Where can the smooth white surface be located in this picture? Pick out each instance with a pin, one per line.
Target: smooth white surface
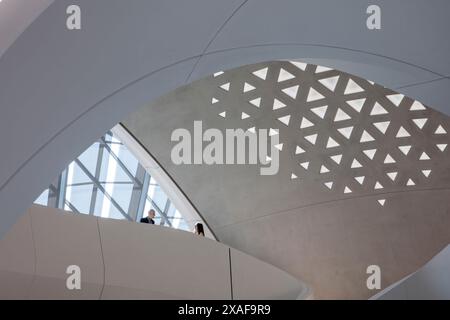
(160, 263)
(17, 262)
(127, 260)
(60, 240)
(253, 280)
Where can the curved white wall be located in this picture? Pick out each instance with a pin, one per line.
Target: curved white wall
(60, 90)
(126, 260)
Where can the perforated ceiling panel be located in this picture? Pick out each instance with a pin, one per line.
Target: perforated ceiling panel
(347, 134)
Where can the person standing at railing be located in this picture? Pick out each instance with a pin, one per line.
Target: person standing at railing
(198, 229)
(149, 218)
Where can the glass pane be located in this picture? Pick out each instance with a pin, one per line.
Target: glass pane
(76, 175)
(117, 176)
(115, 172)
(89, 158)
(172, 211)
(183, 226)
(157, 195)
(80, 197)
(114, 212)
(99, 203)
(130, 162)
(42, 199)
(121, 193)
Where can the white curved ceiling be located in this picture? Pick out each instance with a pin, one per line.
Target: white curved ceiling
(60, 90)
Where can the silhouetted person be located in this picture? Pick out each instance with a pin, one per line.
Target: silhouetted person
(149, 218)
(198, 229)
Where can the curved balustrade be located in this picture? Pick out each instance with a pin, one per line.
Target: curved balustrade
(126, 260)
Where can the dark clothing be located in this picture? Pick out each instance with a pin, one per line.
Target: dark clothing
(147, 220)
